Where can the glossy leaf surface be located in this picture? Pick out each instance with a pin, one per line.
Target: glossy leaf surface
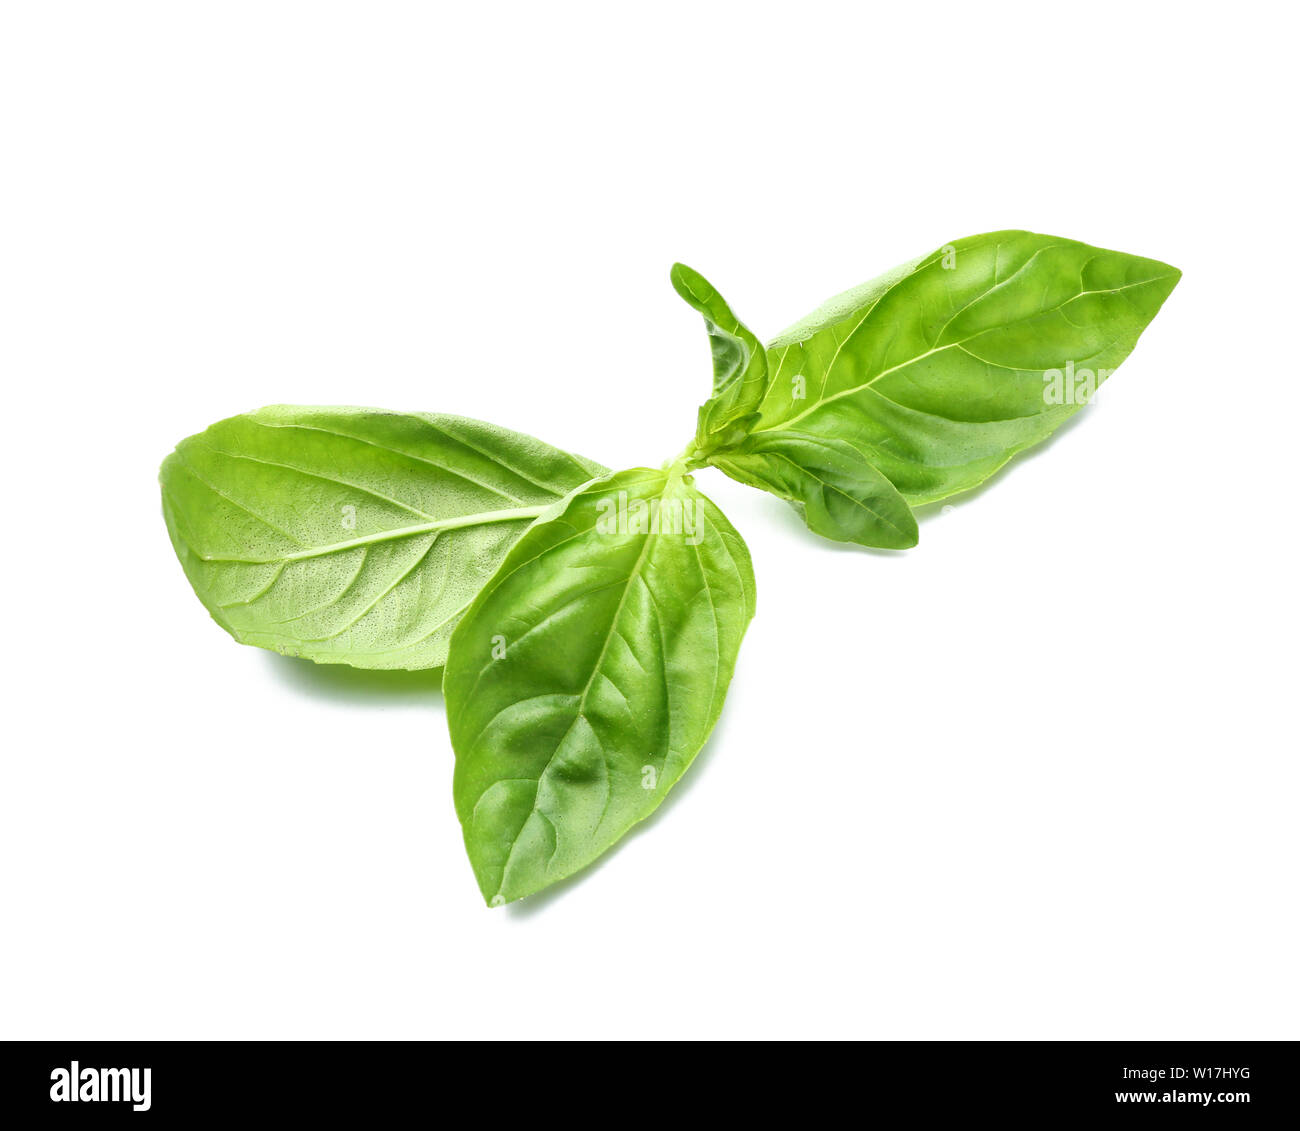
(943, 369)
(587, 675)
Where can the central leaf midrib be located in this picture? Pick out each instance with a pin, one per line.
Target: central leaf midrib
(825, 400)
(580, 709)
(482, 518)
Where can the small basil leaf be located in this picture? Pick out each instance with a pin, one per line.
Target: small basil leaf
(943, 369)
(830, 482)
(588, 673)
(354, 536)
(739, 364)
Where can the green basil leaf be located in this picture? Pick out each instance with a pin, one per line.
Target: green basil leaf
(943, 369)
(588, 673)
(830, 482)
(739, 364)
(354, 536)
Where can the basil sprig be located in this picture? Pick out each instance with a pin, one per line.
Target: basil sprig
(588, 622)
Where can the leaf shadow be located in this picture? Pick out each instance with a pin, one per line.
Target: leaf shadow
(339, 683)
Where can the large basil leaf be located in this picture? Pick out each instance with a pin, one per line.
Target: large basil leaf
(830, 482)
(942, 370)
(354, 536)
(739, 363)
(588, 673)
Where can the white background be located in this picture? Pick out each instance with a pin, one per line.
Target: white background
(1035, 778)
